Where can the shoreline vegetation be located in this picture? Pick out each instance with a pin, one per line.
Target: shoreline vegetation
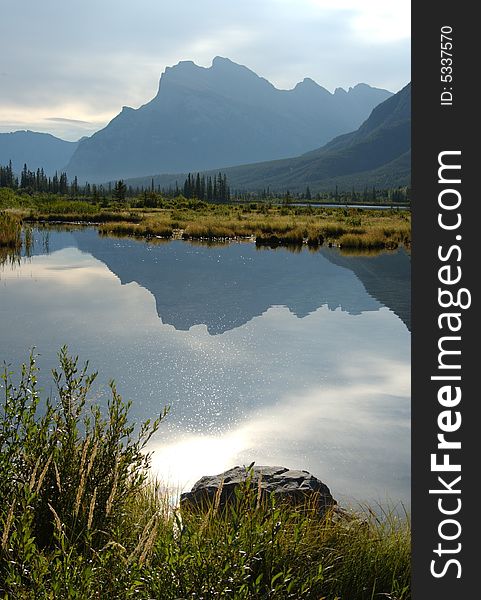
(268, 223)
(10, 231)
(82, 517)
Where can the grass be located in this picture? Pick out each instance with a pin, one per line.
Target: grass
(269, 224)
(82, 519)
(14, 238)
(10, 231)
(146, 228)
(384, 229)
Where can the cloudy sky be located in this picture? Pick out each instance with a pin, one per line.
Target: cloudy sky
(68, 67)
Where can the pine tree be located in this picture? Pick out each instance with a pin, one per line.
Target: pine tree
(63, 183)
(74, 187)
(197, 192)
(24, 177)
(120, 190)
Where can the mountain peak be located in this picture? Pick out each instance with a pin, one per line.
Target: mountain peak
(185, 64)
(188, 68)
(219, 61)
(307, 82)
(310, 87)
(225, 68)
(184, 67)
(224, 77)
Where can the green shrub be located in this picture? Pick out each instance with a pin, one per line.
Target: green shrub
(67, 472)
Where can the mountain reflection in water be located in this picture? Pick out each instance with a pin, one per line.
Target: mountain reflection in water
(225, 287)
(282, 358)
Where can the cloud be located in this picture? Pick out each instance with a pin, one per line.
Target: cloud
(62, 120)
(82, 61)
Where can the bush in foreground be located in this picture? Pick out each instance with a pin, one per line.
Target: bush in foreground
(80, 518)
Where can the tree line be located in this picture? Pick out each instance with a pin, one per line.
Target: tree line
(37, 181)
(212, 189)
(196, 186)
(399, 195)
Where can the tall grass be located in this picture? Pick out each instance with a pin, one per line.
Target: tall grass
(10, 230)
(81, 519)
(270, 224)
(146, 228)
(14, 238)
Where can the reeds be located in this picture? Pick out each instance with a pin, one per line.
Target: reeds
(145, 228)
(10, 231)
(267, 223)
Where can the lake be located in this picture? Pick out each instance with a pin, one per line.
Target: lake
(300, 359)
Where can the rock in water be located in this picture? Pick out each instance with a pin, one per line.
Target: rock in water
(294, 487)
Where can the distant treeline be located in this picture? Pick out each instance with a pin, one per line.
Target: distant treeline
(400, 195)
(195, 186)
(210, 189)
(37, 181)
(214, 189)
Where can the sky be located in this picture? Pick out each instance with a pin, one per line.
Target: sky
(69, 66)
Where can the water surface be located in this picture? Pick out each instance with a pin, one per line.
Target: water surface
(295, 359)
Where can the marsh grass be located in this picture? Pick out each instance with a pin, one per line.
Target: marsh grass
(378, 236)
(145, 228)
(16, 238)
(80, 517)
(88, 216)
(10, 230)
(198, 220)
(366, 241)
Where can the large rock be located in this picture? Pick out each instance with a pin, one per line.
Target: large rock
(291, 486)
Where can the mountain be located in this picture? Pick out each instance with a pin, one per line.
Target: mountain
(224, 115)
(378, 153)
(386, 277)
(38, 150)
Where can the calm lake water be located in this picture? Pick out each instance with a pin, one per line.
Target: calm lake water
(294, 359)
